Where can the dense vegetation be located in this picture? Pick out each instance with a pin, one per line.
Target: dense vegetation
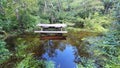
(102, 16)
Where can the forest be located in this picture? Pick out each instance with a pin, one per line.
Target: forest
(93, 33)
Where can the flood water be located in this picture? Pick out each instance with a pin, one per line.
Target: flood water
(63, 53)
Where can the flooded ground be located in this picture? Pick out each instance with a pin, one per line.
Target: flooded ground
(63, 53)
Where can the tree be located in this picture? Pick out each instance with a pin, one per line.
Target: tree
(18, 15)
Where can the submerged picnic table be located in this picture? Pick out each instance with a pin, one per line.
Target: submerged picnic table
(57, 31)
(58, 28)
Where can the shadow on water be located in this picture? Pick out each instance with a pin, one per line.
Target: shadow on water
(64, 53)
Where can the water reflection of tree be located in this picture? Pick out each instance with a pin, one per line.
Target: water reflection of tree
(50, 48)
(80, 49)
(76, 55)
(62, 46)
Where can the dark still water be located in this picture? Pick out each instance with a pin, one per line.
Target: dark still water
(63, 56)
(63, 53)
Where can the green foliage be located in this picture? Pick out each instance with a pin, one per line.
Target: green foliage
(104, 51)
(107, 47)
(26, 46)
(4, 52)
(22, 15)
(85, 8)
(21, 51)
(94, 15)
(50, 64)
(18, 15)
(97, 22)
(84, 14)
(86, 63)
(30, 62)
